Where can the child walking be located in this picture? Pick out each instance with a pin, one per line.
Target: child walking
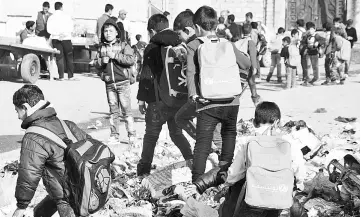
(114, 60)
(275, 48)
(292, 58)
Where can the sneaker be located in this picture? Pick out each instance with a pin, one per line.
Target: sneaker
(342, 82)
(258, 80)
(113, 140)
(73, 79)
(60, 79)
(306, 84)
(132, 140)
(279, 81)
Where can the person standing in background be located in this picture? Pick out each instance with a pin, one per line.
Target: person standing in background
(42, 19)
(352, 38)
(101, 20)
(233, 28)
(225, 14)
(124, 26)
(60, 26)
(28, 31)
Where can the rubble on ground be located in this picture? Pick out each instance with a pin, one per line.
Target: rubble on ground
(332, 187)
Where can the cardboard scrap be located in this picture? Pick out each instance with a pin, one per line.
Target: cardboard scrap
(323, 206)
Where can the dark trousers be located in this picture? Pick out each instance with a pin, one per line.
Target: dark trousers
(64, 60)
(184, 119)
(328, 63)
(307, 61)
(206, 123)
(156, 116)
(48, 207)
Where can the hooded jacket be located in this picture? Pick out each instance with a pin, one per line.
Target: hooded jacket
(153, 63)
(41, 157)
(123, 60)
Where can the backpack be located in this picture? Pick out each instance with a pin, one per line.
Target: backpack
(219, 77)
(173, 81)
(269, 176)
(87, 166)
(242, 46)
(294, 55)
(345, 51)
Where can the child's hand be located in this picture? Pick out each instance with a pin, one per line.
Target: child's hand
(107, 78)
(111, 55)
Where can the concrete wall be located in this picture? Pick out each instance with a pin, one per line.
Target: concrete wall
(353, 12)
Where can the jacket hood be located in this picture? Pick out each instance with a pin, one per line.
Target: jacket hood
(166, 37)
(42, 113)
(112, 22)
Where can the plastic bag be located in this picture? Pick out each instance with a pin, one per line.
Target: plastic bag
(53, 69)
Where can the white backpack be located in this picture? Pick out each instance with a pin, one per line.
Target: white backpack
(294, 55)
(219, 78)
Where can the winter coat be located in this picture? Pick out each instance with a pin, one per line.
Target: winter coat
(153, 63)
(123, 60)
(41, 157)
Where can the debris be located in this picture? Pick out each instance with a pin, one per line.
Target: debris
(321, 186)
(321, 110)
(98, 123)
(306, 141)
(194, 208)
(11, 167)
(321, 207)
(7, 188)
(345, 120)
(92, 127)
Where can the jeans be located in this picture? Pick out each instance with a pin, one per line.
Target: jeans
(276, 62)
(118, 95)
(291, 76)
(184, 119)
(328, 62)
(64, 60)
(306, 62)
(158, 114)
(48, 207)
(206, 123)
(338, 66)
(248, 211)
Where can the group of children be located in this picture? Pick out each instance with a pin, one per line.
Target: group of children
(306, 46)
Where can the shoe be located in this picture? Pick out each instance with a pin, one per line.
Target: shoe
(342, 82)
(113, 140)
(258, 80)
(60, 79)
(279, 81)
(73, 79)
(306, 84)
(346, 75)
(132, 140)
(268, 79)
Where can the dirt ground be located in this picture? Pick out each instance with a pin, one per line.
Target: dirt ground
(85, 101)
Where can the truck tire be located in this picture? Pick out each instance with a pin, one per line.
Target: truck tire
(30, 68)
(266, 60)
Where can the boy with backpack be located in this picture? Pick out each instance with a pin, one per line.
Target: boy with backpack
(114, 60)
(248, 47)
(275, 48)
(263, 173)
(291, 56)
(214, 85)
(46, 143)
(340, 54)
(161, 89)
(183, 25)
(309, 48)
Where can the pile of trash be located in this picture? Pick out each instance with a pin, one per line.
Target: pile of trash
(332, 187)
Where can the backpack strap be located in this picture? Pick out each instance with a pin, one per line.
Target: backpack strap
(48, 134)
(68, 132)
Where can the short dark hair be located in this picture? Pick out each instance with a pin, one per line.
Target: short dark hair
(246, 28)
(266, 113)
(221, 20)
(188, 10)
(138, 37)
(249, 14)
(183, 20)
(327, 26)
(300, 22)
(46, 5)
(108, 7)
(287, 39)
(349, 22)
(58, 5)
(310, 25)
(254, 25)
(231, 18)
(30, 94)
(294, 32)
(157, 22)
(206, 17)
(29, 24)
(337, 20)
(281, 30)
(339, 31)
(166, 13)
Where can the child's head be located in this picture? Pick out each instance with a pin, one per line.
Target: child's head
(205, 20)
(157, 23)
(25, 98)
(349, 23)
(138, 37)
(231, 18)
(286, 41)
(327, 26)
(221, 20)
(337, 22)
(249, 17)
(110, 31)
(246, 29)
(183, 25)
(267, 113)
(295, 33)
(281, 31)
(340, 32)
(30, 25)
(254, 25)
(310, 26)
(300, 23)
